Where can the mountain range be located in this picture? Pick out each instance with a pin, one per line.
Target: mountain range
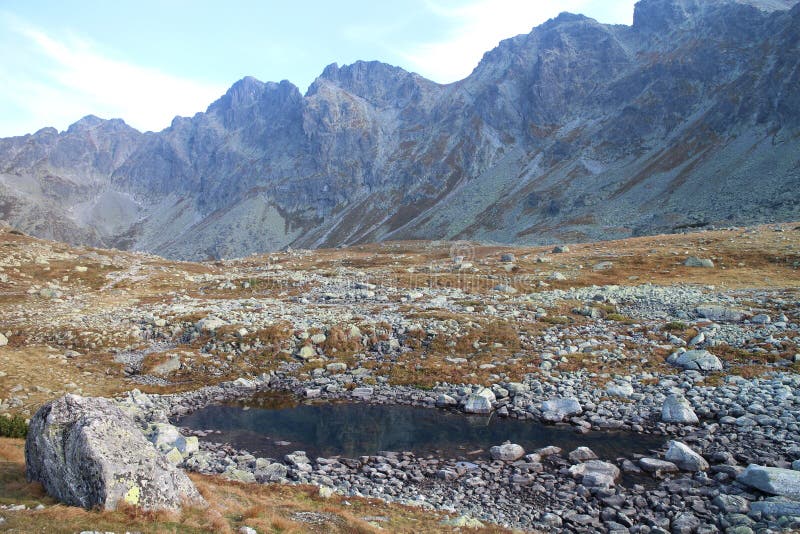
(576, 131)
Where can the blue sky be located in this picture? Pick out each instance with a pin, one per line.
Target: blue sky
(146, 61)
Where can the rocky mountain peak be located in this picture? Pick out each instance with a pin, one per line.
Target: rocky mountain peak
(663, 15)
(88, 122)
(92, 123)
(378, 83)
(243, 93)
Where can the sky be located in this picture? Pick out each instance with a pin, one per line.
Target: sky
(146, 61)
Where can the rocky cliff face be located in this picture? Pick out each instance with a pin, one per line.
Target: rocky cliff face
(578, 130)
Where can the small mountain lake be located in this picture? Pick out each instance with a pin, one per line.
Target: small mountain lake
(272, 425)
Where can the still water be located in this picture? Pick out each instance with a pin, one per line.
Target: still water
(275, 424)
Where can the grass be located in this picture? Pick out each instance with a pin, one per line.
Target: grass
(619, 318)
(14, 426)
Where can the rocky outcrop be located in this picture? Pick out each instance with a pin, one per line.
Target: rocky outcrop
(86, 452)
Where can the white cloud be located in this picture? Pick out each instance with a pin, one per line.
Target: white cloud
(479, 25)
(54, 82)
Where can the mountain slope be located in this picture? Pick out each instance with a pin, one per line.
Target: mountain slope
(578, 130)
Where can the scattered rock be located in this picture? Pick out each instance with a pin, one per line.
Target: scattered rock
(595, 473)
(581, 454)
(555, 410)
(676, 409)
(693, 261)
(478, 404)
(714, 312)
(697, 360)
(463, 521)
(306, 352)
(684, 457)
(210, 324)
(656, 466)
(620, 389)
(508, 452)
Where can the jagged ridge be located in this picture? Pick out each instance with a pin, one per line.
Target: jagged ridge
(578, 130)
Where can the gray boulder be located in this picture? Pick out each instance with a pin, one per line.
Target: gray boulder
(685, 523)
(772, 480)
(620, 389)
(684, 457)
(696, 360)
(656, 466)
(714, 312)
(676, 409)
(693, 261)
(555, 410)
(761, 318)
(478, 404)
(581, 454)
(776, 508)
(732, 504)
(86, 452)
(507, 452)
(445, 401)
(596, 473)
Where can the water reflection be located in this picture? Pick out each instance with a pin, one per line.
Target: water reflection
(264, 424)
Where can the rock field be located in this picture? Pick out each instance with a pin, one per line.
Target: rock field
(630, 337)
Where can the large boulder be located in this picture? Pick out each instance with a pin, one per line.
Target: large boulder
(654, 465)
(772, 480)
(480, 402)
(86, 452)
(717, 313)
(620, 389)
(596, 474)
(581, 454)
(507, 452)
(555, 410)
(677, 409)
(694, 261)
(684, 457)
(696, 360)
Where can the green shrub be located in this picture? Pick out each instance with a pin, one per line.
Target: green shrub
(555, 319)
(13, 427)
(675, 326)
(619, 318)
